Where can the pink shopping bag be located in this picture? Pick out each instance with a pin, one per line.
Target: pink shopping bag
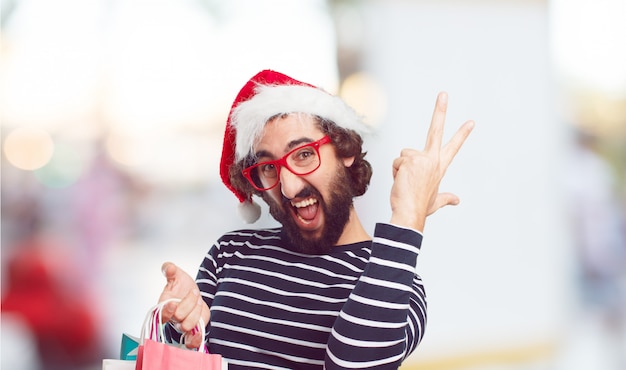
(154, 354)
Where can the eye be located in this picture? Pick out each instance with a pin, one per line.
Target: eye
(267, 169)
(304, 154)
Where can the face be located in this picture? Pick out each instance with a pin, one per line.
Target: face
(312, 208)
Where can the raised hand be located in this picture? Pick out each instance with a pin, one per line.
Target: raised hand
(417, 174)
(186, 314)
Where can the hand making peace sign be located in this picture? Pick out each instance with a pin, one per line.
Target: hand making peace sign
(417, 174)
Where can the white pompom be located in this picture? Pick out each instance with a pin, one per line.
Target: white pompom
(250, 211)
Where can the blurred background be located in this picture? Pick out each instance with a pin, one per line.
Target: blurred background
(112, 116)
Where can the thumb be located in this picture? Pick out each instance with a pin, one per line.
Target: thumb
(169, 270)
(442, 200)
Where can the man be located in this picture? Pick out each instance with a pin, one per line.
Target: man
(318, 292)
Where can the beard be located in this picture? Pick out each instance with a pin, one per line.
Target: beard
(336, 214)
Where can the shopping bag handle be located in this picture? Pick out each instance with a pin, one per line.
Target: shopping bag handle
(153, 322)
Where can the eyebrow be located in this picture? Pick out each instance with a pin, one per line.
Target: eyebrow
(291, 145)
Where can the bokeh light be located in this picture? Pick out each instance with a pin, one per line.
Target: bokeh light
(28, 148)
(588, 44)
(366, 96)
(63, 169)
(128, 150)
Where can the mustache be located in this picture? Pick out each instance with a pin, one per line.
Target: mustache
(304, 193)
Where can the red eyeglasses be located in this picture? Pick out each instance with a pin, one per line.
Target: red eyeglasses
(301, 161)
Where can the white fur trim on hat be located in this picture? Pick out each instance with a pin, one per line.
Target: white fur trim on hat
(250, 211)
(250, 117)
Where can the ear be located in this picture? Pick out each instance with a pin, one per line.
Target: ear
(348, 161)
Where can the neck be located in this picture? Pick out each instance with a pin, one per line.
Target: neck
(354, 231)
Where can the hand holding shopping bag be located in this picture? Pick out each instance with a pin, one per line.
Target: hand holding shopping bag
(155, 354)
(189, 308)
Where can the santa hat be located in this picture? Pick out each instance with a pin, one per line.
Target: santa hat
(264, 96)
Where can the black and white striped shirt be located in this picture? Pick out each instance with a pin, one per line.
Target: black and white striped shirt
(360, 306)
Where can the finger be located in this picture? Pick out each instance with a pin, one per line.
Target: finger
(442, 200)
(189, 310)
(450, 150)
(167, 313)
(435, 131)
(169, 271)
(395, 166)
(193, 339)
(404, 154)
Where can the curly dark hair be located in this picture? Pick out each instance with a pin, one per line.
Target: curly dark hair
(348, 143)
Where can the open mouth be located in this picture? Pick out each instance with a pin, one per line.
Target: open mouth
(305, 210)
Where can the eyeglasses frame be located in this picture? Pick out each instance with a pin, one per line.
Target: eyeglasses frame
(282, 162)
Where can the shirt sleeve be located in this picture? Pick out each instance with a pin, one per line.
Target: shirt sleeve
(384, 318)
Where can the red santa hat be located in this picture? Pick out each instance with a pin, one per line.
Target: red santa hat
(264, 96)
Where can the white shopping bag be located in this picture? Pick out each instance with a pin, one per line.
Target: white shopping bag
(110, 364)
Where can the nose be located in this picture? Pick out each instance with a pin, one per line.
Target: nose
(290, 184)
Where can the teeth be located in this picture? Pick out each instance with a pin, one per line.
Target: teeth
(304, 203)
(303, 220)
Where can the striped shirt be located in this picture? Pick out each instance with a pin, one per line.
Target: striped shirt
(360, 306)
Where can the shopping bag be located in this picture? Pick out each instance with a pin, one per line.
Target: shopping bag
(160, 356)
(111, 364)
(128, 355)
(128, 348)
(154, 354)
